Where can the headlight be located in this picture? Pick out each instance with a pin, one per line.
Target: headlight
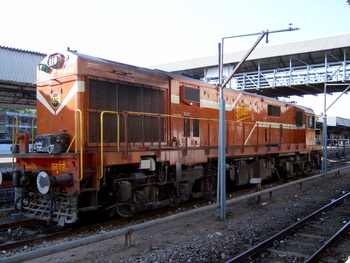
(43, 182)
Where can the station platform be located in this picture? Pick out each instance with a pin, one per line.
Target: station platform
(5, 162)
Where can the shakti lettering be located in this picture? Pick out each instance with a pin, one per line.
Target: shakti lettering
(242, 112)
(59, 167)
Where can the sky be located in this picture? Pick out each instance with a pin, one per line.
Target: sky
(153, 32)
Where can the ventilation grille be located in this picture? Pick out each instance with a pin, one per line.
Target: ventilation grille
(125, 97)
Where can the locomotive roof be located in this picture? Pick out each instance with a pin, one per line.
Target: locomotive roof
(154, 71)
(102, 60)
(172, 75)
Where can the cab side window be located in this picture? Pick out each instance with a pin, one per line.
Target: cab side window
(299, 119)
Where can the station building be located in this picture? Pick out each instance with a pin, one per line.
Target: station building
(8, 123)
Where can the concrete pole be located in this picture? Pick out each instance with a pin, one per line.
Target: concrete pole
(222, 140)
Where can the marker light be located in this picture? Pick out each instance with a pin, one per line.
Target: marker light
(43, 67)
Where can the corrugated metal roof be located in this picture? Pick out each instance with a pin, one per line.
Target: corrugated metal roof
(336, 121)
(18, 66)
(306, 46)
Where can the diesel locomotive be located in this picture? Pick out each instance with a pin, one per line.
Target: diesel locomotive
(122, 139)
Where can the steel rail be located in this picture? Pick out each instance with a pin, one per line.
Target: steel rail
(330, 242)
(266, 243)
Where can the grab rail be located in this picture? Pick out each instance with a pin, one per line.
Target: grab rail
(14, 129)
(255, 126)
(102, 139)
(80, 140)
(14, 142)
(158, 115)
(33, 133)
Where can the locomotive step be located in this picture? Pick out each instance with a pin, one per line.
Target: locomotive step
(88, 190)
(89, 171)
(89, 208)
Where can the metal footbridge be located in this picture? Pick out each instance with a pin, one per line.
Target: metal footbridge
(295, 68)
(293, 80)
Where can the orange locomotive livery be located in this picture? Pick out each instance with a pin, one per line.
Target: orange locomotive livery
(122, 139)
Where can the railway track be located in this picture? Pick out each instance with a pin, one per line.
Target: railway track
(120, 223)
(307, 240)
(28, 232)
(7, 197)
(23, 232)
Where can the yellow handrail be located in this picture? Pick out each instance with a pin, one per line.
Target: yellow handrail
(102, 132)
(168, 115)
(33, 133)
(182, 117)
(137, 113)
(80, 140)
(14, 126)
(71, 143)
(14, 142)
(145, 114)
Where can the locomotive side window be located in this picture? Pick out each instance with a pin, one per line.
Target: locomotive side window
(273, 110)
(125, 97)
(190, 95)
(299, 119)
(311, 122)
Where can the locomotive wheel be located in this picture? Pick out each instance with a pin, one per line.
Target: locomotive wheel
(124, 211)
(280, 174)
(211, 191)
(308, 168)
(174, 198)
(276, 176)
(17, 205)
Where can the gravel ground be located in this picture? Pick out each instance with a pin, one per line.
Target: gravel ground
(207, 238)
